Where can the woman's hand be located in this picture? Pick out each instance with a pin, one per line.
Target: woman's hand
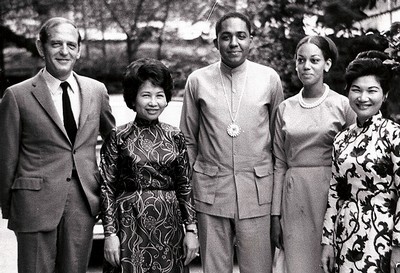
(276, 231)
(112, 250)
(190, 247)
(395, 259)
(327, 258)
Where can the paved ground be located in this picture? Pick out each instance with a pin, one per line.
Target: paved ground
(8, 249)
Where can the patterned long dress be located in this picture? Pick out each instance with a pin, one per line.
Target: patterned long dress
(362, 219)
(146, 195)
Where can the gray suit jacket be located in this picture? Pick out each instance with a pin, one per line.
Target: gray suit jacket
(36, 156)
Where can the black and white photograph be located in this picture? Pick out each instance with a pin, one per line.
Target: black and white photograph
(212, 136)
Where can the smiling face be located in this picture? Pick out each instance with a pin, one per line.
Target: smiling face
(233, 42)
(150, 101)
(366, 97)
(311, 64)
(61, 50)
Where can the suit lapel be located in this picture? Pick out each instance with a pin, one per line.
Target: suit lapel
(86, 100)
(42, 94)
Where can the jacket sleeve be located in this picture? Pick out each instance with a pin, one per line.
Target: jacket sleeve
(189, 123)
(10, 128)
(277, 97)
(107, 120)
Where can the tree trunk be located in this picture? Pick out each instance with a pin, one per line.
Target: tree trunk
(129, 48)
(161, 36)
(87, 47)
(103, 30)
(2, 65)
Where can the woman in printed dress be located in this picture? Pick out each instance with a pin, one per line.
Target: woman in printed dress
(305, 127)
(361, 228)
(146, 192)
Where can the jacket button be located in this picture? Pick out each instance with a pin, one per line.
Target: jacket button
(68, 179)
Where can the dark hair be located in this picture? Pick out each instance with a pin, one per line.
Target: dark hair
(232, 14)
(53, 22)
(142, 70)
(327, 46)
(370, 63)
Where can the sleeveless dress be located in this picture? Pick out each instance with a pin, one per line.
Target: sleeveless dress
(146, 195)
(362, 219)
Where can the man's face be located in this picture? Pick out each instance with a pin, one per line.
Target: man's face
(61, 50)
(233, 42)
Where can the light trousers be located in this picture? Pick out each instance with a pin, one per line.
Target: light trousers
(219, 237)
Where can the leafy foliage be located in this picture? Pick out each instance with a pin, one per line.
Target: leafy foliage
(278, 25)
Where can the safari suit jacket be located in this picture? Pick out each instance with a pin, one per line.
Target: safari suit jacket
(232, 176)
(37, 157)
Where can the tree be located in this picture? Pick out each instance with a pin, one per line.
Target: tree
(19, 23)
(279, 25)
(137, 19)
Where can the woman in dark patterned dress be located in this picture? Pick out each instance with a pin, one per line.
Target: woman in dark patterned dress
(146, 191)
(361, 228)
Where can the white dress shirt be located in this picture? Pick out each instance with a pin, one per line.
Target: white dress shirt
(56, 94)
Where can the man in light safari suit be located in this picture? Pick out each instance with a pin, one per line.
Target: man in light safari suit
(227, 119)
(49, 184)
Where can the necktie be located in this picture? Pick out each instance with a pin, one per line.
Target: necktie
(69, 121)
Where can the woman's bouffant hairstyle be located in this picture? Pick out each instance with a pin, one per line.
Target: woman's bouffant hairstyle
(143, 70)
(370, 63)
(327, 46)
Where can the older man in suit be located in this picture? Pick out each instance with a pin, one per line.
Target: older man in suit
(49, 180)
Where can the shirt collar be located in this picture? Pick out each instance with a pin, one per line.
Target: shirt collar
(228, 70)
(54, 83)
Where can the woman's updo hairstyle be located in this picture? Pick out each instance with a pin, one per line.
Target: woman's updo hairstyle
(325, 44)
(142, 70)
(370, 63)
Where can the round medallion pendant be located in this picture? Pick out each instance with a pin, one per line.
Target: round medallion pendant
(233, 130)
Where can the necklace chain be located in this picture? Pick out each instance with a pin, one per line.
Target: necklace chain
(317, 102)
(233, 118)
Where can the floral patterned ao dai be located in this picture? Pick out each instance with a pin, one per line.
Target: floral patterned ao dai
(362, 220)
(146, 195)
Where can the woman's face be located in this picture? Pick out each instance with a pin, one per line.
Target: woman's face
(311, 64)
(366, 97)
(150, 101)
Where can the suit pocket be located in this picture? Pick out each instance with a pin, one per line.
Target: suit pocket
(28, 200)
(264, 183)
(205, 178)
(27, 183)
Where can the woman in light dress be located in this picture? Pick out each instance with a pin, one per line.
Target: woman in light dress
(304, 130)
